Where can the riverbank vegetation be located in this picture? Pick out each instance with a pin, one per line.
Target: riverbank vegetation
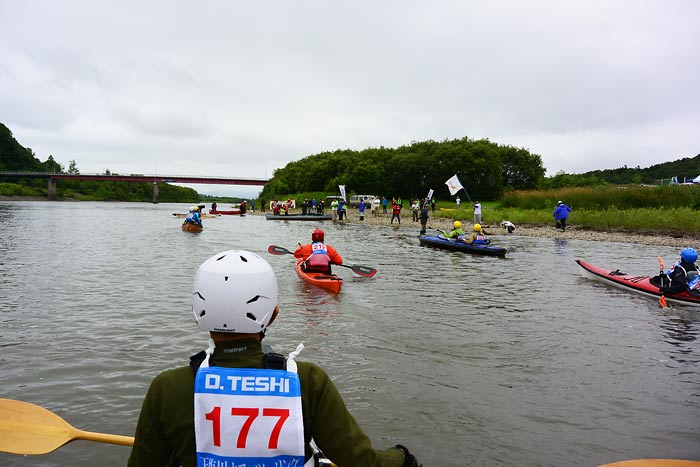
(509, 181)
(662, 209)
(487, 169)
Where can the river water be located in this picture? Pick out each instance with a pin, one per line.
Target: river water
(466, 360)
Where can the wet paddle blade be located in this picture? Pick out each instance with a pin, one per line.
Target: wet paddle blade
(662, 302)
(278, 250)
(364, 271)
(26, 428)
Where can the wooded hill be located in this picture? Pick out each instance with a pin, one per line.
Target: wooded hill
(486, 170)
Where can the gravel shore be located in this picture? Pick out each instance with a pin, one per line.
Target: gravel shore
(493, 228)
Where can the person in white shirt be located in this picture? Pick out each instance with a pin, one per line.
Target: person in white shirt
(477, 213)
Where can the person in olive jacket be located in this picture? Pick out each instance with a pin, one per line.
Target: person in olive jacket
(211, 411)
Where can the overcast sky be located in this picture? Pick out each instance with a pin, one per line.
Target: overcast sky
(241, 88)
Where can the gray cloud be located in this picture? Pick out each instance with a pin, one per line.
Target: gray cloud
(242, 88)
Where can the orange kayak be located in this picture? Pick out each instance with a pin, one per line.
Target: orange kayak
(187, 227)
(327, 281)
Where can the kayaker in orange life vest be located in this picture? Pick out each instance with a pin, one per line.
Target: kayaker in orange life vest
(317, 256)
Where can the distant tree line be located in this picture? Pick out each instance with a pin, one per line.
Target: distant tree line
(485, 169)
(686, 168)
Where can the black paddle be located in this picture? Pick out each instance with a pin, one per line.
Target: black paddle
(363, 271)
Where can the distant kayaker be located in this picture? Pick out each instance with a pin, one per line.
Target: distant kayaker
(317, 256)
(683, 276)
(213, 206)
(457, 233)
(561, 213)
(193, 216)
(192, 415)
(478, 237)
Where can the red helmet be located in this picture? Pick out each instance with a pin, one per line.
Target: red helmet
(317, 235)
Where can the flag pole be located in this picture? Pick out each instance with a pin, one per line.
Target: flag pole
(465, 191)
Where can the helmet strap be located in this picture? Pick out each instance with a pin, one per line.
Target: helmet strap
(209, 352)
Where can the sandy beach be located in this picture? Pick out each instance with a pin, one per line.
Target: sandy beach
(494, 230)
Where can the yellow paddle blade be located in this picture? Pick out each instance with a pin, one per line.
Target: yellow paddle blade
(654, 463)
(26, 428)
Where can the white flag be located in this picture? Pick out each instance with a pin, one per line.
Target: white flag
(454, 185)
(430, 195)
(342, 192)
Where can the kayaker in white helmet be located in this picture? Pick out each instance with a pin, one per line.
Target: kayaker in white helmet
(192, 415)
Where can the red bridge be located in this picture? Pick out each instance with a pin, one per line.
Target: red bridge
(154, 179)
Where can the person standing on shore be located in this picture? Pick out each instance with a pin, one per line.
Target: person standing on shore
(561, 213)
(477, 212)
(415, 208)
(424, 217)
(361, 209)
(384, 203)
(459, 201)
(334, 209)
(395, 211)
(375, 207)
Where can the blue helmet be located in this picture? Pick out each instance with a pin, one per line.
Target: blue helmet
(689, 255)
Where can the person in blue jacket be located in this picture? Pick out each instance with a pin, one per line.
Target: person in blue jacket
(193, 216)
(683, 276)
(561, 213)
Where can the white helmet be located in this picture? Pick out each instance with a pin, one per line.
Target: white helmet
(234, 291)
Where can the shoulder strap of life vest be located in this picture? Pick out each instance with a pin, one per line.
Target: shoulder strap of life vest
(271, 361)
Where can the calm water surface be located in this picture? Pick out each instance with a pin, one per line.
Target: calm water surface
(466, 360)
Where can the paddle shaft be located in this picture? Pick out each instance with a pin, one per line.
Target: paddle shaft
(662, 299)
(359, 270)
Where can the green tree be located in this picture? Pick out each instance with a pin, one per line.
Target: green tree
(73, 167)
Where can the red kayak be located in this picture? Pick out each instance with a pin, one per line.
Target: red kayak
(234, 212)
(640, 284)
(327, 281)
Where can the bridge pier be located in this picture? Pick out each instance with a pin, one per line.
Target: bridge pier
(52, 190)
(155, 192)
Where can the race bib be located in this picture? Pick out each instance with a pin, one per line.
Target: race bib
(319, 249)
(247, 417)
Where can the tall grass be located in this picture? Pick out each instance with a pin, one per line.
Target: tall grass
(662, 209)
(606, 198)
